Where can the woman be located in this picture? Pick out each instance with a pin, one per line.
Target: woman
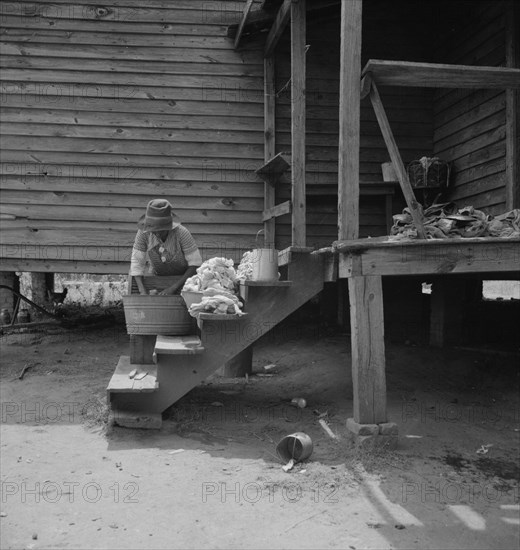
(164, 244)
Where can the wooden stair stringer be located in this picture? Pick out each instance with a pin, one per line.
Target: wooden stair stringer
(223, 340)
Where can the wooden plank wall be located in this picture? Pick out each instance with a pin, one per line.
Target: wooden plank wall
(107, 106)
(409, 111)
(469, 126)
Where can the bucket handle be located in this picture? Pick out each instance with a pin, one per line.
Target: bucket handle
(256, 238)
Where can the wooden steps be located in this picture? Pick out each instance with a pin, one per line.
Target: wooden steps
(266, 283)
(286, 255)
(178, 345)
(221, 316)
(184, 362)
(122, 383)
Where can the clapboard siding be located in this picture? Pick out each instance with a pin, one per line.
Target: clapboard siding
(469, 125)
(107, 106)
(409, 111)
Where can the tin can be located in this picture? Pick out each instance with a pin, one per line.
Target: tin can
(5, 316)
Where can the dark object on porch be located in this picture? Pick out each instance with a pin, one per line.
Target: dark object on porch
(429, 173)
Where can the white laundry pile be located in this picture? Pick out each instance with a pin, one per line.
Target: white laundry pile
(218, 281)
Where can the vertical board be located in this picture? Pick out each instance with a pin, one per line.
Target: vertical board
(269, 143)
(349, 120)
(298, 110)
(513, 109)
(368, 349)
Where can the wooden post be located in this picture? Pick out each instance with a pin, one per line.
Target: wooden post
(142, 348)
(38, 288)
(512, 109)
(298, 30)
(269, 143)
(240, 366)
(368, 349)
(349, 119)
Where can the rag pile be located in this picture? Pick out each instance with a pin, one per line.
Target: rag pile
(245, 268)
(445, 221)
(217, 280)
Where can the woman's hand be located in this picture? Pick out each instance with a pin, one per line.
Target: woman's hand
(170, 291)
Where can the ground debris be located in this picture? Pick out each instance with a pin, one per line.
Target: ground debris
(26, 367)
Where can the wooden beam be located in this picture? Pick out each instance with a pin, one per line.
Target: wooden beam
(436, 75)
(512, 109)
(298, 74)
(240, 30)
(275, 211)
(430, 257)
(282, 18)
(395, 156)
(349, 120)
(269, 143)
(368, 349)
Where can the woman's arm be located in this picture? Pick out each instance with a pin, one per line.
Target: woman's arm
(140, 284)
(180, 283)
(138, 261)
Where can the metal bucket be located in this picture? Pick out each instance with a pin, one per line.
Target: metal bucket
(166, 315)
(265, 264)
(297, 446)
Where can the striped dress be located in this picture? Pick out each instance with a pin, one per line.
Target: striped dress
(152, 256)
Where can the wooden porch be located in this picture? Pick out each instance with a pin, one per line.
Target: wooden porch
(365, 261)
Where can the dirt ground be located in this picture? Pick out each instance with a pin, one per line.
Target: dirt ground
(210, 478)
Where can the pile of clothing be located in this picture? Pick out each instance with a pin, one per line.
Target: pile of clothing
(245, 268)
(218, 282)
(215, 273)
(445, 221)
(219, 303)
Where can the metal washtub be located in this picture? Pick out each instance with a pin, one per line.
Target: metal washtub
(154, 314)
(166, 315)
